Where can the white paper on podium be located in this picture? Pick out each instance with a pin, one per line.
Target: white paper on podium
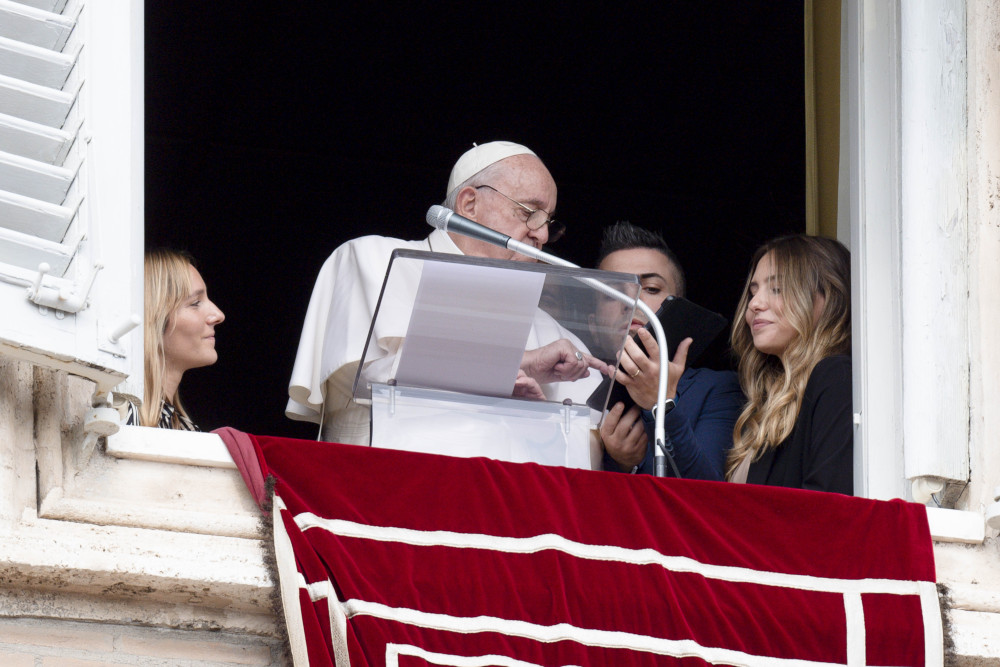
(469, 328)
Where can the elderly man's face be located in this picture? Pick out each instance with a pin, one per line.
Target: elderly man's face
(525, 179)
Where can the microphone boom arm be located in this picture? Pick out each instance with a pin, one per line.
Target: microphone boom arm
(659, 431)
(442, 218)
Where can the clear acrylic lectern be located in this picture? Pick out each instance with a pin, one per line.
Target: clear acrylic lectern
(446, 344)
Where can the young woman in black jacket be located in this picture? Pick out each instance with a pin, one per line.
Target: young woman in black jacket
(792, 336)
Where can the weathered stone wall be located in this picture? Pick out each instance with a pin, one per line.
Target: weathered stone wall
(113, 560)
(33, 642)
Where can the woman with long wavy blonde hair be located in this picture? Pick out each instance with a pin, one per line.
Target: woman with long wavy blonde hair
(792, 336)
(180, 323)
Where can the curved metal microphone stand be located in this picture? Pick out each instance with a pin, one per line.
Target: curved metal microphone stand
(447, 220)
(659, 433)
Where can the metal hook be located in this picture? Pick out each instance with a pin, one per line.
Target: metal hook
(127, 325)
(36, 287)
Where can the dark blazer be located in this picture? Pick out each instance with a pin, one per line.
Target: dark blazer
(700, 428)
(819, 454)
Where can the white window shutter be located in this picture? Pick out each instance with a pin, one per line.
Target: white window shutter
(71, 186)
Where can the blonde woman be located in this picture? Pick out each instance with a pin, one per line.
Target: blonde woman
(180, 323)
(792, 336)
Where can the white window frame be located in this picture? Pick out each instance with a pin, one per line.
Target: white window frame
(107, 230)
(869, 210)
(910, 431)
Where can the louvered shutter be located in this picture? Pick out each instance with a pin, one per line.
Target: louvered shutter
(71, 186)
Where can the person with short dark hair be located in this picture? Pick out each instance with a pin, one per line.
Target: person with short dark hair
(699, 429)
(623, 235)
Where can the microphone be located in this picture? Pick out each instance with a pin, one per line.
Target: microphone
(446, 220)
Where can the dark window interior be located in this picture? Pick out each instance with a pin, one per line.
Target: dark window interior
(273, 135)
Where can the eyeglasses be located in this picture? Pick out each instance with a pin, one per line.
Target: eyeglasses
(536, 218)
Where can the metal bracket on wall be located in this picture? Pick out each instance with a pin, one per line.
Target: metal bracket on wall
(61, 299)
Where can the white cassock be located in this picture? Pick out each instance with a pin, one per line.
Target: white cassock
(336, 329)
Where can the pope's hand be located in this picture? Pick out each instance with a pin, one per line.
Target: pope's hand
(560, 361)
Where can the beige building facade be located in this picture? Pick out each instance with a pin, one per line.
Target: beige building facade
(139, 546)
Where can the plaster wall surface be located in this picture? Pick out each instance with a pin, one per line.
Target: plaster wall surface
(972, 571)
(984, 250)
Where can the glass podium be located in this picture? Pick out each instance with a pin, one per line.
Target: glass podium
(446, 346)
